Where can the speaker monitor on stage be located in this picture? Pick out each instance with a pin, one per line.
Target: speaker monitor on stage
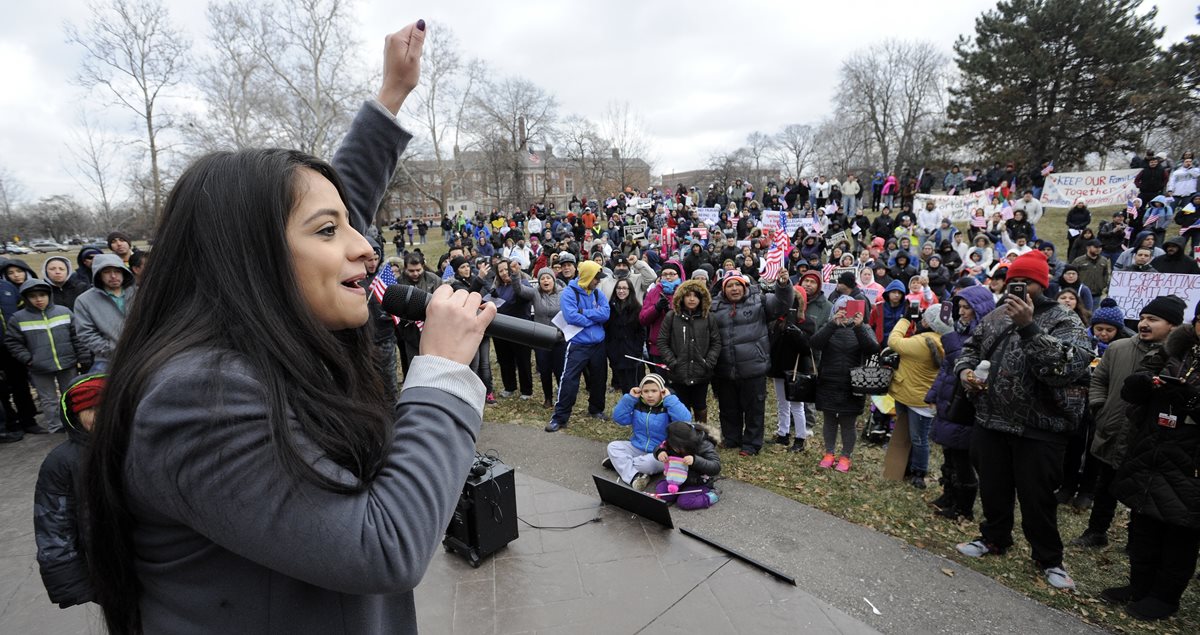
(485, 519)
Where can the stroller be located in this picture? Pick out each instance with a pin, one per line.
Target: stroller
(881, 419)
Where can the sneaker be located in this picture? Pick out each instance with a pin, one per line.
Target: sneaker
(826, 461)
(1117, 595)
(505, 394)
(491, 399)
(843, 464)
(1089, 539)
(1059, 579)
(526, 397)
(599, 416)
(606, 463)
(975, 549)
(797, 445)
(781, 439)
(554, 427)
(917, 481)
(1082, 502)
(639, 482)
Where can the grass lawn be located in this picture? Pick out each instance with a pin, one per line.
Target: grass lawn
(865, 498)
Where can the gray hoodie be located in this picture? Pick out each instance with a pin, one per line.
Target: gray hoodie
(99, 314)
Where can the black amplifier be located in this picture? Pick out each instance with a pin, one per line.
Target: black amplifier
(485, 519)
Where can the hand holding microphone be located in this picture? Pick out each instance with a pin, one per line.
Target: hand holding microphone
(413, 304)
(454, 323)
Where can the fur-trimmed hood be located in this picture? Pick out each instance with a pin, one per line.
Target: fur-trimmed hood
(1181, 340)
(697, 286)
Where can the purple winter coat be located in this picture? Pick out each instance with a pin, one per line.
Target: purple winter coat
(946, 433)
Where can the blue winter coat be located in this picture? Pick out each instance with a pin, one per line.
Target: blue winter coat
(947, 433)
(588, 310)
(649, 423)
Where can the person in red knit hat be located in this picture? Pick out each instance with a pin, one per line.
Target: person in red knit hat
(55, 520)
(1025, 412)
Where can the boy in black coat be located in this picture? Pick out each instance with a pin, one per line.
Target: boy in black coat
(55, 521)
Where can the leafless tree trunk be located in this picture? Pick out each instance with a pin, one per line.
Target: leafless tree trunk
(840, 147)
(135, 52)
(11, 193)
(622, 127)
(95, 154)
(795, 147)
(758, 145)
(512, 111)
(440, 103)
(585, 150)
(891, 89)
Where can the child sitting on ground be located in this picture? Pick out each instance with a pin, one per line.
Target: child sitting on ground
(692, 461)
(59, 549)
(647, 409)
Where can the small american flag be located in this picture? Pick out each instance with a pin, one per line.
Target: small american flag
(827, 271)
(1048, 169)
(1006, 210)
(384, 278)
(1190, 228)
(780, 246)
(1131, 207)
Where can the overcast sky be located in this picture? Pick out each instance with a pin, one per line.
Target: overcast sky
(702, 74)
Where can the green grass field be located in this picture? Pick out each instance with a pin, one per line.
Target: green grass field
(865, 498)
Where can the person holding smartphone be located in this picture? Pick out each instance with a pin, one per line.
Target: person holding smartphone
(1025, 413)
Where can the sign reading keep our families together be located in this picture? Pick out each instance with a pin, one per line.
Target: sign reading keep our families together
(1112, 187)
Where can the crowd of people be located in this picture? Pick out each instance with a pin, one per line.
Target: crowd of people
(663, 302)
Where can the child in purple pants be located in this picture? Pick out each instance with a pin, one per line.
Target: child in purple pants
(699, 459)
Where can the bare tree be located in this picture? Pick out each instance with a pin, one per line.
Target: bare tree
(59, 217)
(622, 127)
(505, 116)
(758, 145)
(724, 167)
(841, 148)
(136, 53)
(892, 89)
(795, 147)
(94, 164)
(441, 104)
(11, 194)
(585, 151)
(284, 74)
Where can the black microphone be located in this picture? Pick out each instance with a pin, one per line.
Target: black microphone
(408, 302)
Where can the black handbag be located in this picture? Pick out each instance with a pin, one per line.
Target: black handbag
(800, 387)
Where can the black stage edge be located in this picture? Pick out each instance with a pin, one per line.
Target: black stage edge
(748, 560)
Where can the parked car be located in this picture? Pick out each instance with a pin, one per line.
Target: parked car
(44, 246)
(14, 248)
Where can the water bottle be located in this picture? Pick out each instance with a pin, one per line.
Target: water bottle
(981, 371)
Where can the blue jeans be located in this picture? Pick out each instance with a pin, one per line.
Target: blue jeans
(918, 432)
(589, 358)
(849, 204)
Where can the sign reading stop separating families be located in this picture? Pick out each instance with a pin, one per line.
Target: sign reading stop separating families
(1134, 290)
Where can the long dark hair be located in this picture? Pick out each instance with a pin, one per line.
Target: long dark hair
(220, 278)
(627, 307)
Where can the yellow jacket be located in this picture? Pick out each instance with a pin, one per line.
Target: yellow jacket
(918, 366)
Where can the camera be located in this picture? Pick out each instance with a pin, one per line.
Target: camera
(1016, 289)
(914, 310)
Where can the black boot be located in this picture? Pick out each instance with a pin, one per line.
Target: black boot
(797, 445)
(964, 500)
(946, 499)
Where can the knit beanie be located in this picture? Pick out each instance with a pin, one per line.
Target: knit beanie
(811, 274)
(1111, 314)
(457, 262)
(653, 378)
(933, 317)
(545, 271)
(847, 278)
(1031, 266)
(735, 277)
(672, 265)
(117, 236)
(1167, 307)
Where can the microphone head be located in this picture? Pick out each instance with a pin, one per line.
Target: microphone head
(405, 301)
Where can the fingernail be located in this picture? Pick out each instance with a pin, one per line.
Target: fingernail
(420, 25)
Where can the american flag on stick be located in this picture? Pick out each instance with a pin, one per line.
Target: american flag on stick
(780, 246)
(827, 271)
(384, 278)
(1048, 169)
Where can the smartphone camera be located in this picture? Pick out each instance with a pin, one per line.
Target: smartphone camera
(1016, 289)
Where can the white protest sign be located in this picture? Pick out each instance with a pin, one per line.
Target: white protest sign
(1133, 290)
(957, 208)
(1113, 187)
(793, 224)
(708, 215)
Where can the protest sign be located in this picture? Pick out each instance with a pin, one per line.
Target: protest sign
(957, 208)
(838, 237)
(708, 215)
(1133, 290)
(1112, 187)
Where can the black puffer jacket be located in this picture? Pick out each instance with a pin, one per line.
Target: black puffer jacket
(690, 342)
(789, 341)
(842, 348)
(1158, 476)
(623, 333)
(744, 339)
(59, 549)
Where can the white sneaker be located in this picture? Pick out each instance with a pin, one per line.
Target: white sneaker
(639, 482)
(973, 549)
(505, 394)
(526, 397)
(1059, 578)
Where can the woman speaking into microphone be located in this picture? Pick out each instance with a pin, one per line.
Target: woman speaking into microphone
(246, 475)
